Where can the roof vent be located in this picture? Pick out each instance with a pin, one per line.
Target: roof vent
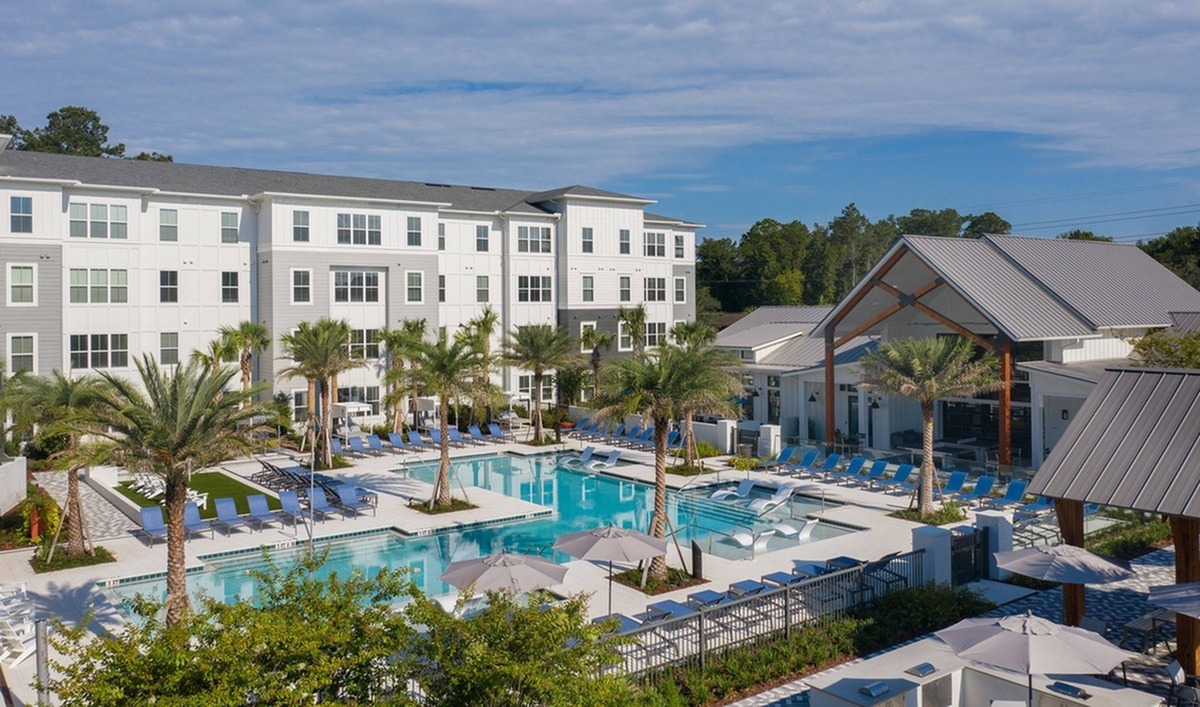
(444, 186)
(483, 189)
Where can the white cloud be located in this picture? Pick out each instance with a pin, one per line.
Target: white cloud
(538, 94)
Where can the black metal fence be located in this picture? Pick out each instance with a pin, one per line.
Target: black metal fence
(694, 638)
(968, 555)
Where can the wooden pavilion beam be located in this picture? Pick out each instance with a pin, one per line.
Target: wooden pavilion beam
(830, 410)
(1070, 523)
(1004, 456)
(1185, 532)
(868, 324)
(871, 284)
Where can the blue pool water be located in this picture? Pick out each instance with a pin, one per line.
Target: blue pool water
(581, 500)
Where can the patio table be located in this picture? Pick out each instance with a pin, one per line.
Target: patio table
(1146, 626)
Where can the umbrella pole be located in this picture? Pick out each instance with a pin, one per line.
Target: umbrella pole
(610, 587)
(1031, 688)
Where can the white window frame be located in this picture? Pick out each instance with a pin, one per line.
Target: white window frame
(368, 347)
(588, 240)
(162, 287)
(544, 286)
(483, 234)
(108, 287)
(414, 233)
(625, 288)
(680, 246)
(530, 236)
(486, 289)
(162, 348)
(8, 294)
(659, 293)
(441, 289)
(408, 287)
(680, 290)
(8, 351)
(584, 326)
(587, 288)
(625, 240)
(293, 286)
(654, 244)
(236, 287)
(655, 332)
(293, 394)
(622, 337)
(19, 218)
(173, 225)
(350, 286)
(299, 215)
(227, 230)
(441, 235)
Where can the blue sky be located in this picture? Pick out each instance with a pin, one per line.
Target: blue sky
(1054, 114)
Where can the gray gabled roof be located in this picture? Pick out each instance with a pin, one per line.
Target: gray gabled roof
(1086, 371)
(767, 325)
(659, 218)
(809, 353)
(1185, 321)
(237, 181)
(1107, 284)
(1134, 444)
(580, 190)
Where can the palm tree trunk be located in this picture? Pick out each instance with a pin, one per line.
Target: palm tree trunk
(74, 516)
(177, 596)
(689, 441)
(310, 433)
(596, 373)
(326, 427)
(413, 395)
(441, 491)
(398, 413)
(658, 526)
(247, 369)
(537, 407)
(925, 504)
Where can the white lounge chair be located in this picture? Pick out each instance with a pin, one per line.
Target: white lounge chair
(788, 530)
(763, 505)
(607, 463)
(752, 539)
(580, 459)
(742, 491)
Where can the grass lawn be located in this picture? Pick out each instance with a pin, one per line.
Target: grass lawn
(216, 484)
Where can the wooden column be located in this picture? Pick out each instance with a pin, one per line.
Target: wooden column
(1185, 532)
(1070, 522)
(830, 409)
(1005, 452)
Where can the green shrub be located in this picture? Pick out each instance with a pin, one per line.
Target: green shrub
(948, 513)
(1129, 540)
(744, 463)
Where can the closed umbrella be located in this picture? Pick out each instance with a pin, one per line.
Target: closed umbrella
(506, 571)
(611, 544)
(1180, 598)
(1063, 563)
(1030, 644)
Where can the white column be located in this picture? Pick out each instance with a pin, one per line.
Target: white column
(726, 435)
(935, 560)
(1037, 426)
(768, 440)
(999, 539)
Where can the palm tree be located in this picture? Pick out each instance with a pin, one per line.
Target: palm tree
(217, 352)
(483, 328)
(404, 344)
(52, 405)
(657, 386)
(319, 352)
(180, 423)
(448, 369)
(540, 348)
(595, 340)
(634, 319)
(247, 338)
(927, 370)
(696, 339)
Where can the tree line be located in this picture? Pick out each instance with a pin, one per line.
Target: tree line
(71, 130)
(775, 263)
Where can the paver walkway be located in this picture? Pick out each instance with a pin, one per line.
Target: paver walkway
(104, 520)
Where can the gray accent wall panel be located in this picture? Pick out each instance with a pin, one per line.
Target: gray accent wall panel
(45, 319)
(606, 320)
(687, 310)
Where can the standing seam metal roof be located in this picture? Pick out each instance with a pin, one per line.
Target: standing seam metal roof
(1134, 444)
(768, 324)
(1185, 321)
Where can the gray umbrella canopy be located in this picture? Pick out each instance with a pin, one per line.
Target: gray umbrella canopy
(1063, 563)
(504, 571)
(611, 544)
(1030, 644)
(1180, 598)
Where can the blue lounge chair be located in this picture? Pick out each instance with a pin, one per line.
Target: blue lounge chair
(478, 435)
(582, 431)
(376, 444)
(456, 438)
(953, 485)
(828, 467)
(398, 444)
(319, 504)
(646, 441)
(260, 512)
(784, 457)
(357, 446)
(577, 459)
(1012, 496)
(983, 489)
(746, 588)
(855, 468)
(152, 523)
(610, 434)
(435, 439)
(674, 440)
(606, 463)
(336, 445)
(629, 437)
(290, 502)
(663, 610)
(899, 480)
(744, 487)
(499, 434)
(227, 516)
(874, 474)
(623, 625)
(192, 523)
(1041, 505)
(348, 497)
(810, 457)
(415, 440)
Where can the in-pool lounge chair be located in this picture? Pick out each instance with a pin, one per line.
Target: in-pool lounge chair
(727, 494)
(192, 523)
(227, 516)
(765, 505)
(577, 459)
(152, 524)
(606, 463)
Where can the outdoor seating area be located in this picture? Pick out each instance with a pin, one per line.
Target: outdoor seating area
(16, 624)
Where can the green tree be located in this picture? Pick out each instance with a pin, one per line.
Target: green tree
(979, 225)
(718, 268)
(927, 370)
(923, 222)
(319, 353)
(1179, 251)
(849, 232)
(719, 373)
(595, 340)
(448, 369)
(153, 157)
(540, 348)
(483, 328)
(1169, 348)
(49, 407)
(570, 382)
(181, 422)
(403, 345)
(9, 126)
(1081, 235)
(349, 646)
(72, 130)
(516, 652)
(788, 288)
(634, 319)
(708, 308)
(218, 351)
(247, 339)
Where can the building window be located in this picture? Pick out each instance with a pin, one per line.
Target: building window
(99, 350)
(414, 230)
(364, 343)
(624, 340)
(588, 243)
(229, 227)
(589, 288)
(98, 221)
(20, 284)
(299, 406)
(168, 225)
(656, 245)
(525, 386)
(21, 214)
(678, 245)
(355, 286)
(360, 394)
(359, 229)
(302, 287)
(626, 289)
(168, 285)
(680, 289)
(229, 287)
(625, 242)
(118, 286)
(656, 289)
(99, 286)
(533, 239)
(481, 289)
(300, 226)
(481, 238)
(415, 290)
(20, 353)
(656, 333)
(441, 236)
(441, 288)
(533, 288)
(168, 348)
(584, 328)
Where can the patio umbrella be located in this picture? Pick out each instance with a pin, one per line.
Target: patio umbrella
(504, 570)
(611, 544)
(1030, 644)
(1180, 598)
(1063, 563)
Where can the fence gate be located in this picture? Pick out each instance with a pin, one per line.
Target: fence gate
(968, 555)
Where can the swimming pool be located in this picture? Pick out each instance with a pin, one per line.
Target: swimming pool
(580, 501)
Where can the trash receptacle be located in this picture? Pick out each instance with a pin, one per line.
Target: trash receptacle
(697, 561)
(745, 450)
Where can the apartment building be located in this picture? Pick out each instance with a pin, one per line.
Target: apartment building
(104, 260)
